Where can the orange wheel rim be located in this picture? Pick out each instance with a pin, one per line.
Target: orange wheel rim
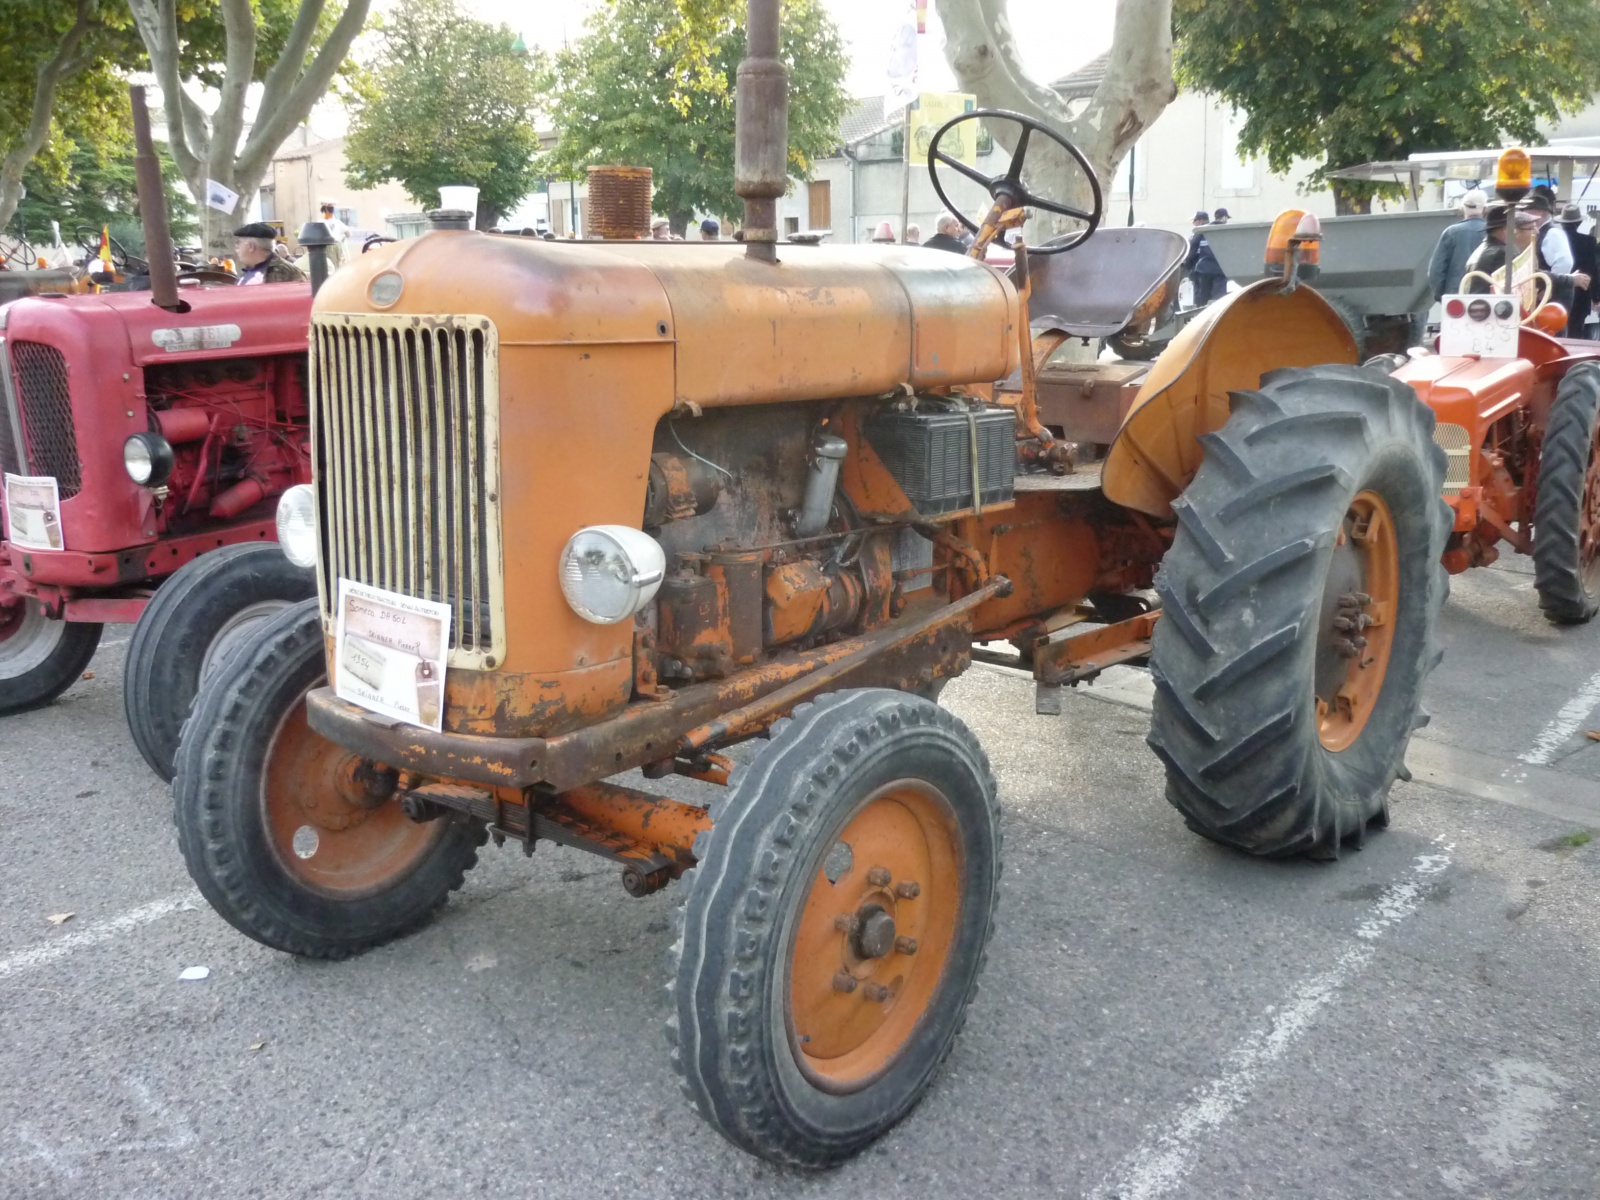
(875, 935)
(320, 823)
(1359, 611)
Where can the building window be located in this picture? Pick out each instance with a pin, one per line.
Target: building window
(269, 204)
(819, 204)
(791, 225)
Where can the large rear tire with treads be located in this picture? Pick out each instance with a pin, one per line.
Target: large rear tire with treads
(1566, 514)
(1299, 600)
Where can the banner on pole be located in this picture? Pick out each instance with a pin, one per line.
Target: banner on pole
(933, 109)
(220, 198)
(902, 77)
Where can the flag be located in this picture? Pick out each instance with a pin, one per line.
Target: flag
(105, 248)
(220, 198)
(922, 16)
(902, 62)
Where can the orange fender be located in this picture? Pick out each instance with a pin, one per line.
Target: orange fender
(1226, 349)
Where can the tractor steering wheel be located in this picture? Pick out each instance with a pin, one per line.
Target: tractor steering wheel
(1010, 184)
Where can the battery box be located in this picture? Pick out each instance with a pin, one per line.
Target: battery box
(929, 452)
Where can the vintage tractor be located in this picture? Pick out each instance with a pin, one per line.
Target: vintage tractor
(582, 509)
(138, 432)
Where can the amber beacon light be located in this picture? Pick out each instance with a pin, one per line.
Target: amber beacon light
(1513, 175)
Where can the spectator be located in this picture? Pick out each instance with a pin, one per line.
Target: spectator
(337, 230)
(1554, 250)
(1220, 217)
(947, 235)
(253, 251)
(913, 234)
(660, 230)
(1456, 245)
(710, 230)
(884, 234)
(1586, 259)
(1205, 272)
(1490, 256)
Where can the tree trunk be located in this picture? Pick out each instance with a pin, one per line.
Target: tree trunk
(1138, 86)
(63, 64)
(1348, 200)
(679, 219)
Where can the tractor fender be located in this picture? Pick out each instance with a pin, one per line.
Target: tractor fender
(1227, 348)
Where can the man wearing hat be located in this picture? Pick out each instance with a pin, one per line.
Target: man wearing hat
(660, 229)
(252, 250)
(1220, 217)
(710, 230)
(1586, 261)
(1554, 251)
(1490, 256)
(1455, 246)
(1205, 272)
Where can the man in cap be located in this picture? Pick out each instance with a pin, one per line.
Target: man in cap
(660, 229)
(1586, 260)
(710, 230)
(252, 250)
(1205, 272)
(1490, 256)
(1455, 246)
(1220, 217)
(1554, 251)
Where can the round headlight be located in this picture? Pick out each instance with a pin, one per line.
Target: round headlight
(297, 525)
(384, 290)
(610, 572)
(148, 459)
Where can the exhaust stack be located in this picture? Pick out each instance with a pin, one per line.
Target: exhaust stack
(761, 137)
(153, 210)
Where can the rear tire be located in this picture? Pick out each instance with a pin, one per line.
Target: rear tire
(275, 826)
(799, 1038)
(1566, 512)
(198, 619)
(39, 657)
(1316, 504)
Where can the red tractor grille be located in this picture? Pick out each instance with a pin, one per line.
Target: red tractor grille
(40, 373)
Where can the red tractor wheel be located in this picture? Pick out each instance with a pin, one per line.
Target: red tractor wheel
(39, 657)
(1566, 514)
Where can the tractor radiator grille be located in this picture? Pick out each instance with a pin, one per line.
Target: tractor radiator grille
(406, 429)
(39, 375)
(1456, 443)
(10, 464)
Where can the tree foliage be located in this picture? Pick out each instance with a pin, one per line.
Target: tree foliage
(447, 102)
(652, 82)
(1351, 81)
(99, 189)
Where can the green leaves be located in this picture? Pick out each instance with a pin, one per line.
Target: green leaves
(447, 102)
(652, 85)
(1358, 80)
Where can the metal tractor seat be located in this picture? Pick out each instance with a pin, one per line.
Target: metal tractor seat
(1095, 290)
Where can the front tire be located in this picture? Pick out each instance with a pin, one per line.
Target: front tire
(1299, 601)
(39, 657)
(276, 824)
(1566, 513)
(835, 926)
(196, 621)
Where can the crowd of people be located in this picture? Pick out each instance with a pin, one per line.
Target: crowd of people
(1470, 251)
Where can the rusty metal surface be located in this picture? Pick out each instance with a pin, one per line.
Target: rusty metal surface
(1085, 655)
(1098, 288)
(1088, 401)
(619, 202)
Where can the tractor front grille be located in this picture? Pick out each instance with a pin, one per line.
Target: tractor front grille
(406, 434)
(1457, 445)
(39, 379)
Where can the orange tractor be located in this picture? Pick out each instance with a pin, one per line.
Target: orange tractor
(583, 509)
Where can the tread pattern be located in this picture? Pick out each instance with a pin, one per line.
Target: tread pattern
(1558, 507)
(1241, 590)
(217, 811)
(767, 818)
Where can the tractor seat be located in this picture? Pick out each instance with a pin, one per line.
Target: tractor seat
(1094, 290)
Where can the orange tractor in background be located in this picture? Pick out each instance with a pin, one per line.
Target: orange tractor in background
(582, 509)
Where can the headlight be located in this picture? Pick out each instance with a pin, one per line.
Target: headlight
(610, 572)
(297, 525)
(148, 459)
(384, 290)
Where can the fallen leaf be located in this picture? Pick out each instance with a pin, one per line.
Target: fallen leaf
(189, 973)
(60, 918)
(257, 1045)
(88, 674)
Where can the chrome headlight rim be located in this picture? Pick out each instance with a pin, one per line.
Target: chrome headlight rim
(297, 525)
(148, 459)
(618, 557)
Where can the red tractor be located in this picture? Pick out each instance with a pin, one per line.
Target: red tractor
(140, 431)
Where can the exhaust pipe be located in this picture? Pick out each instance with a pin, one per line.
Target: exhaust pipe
(153, 211)
(761, 131)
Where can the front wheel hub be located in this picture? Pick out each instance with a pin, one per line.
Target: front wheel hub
(1356, 633)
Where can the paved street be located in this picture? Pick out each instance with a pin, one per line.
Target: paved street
(1159, 1016)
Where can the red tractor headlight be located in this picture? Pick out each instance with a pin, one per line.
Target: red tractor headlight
(148, 459)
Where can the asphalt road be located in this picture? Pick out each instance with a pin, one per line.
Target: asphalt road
(1159, 1016)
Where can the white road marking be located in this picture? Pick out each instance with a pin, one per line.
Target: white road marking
(1566, 722)
(1161, 1162)
(45, 952)
(118, 642)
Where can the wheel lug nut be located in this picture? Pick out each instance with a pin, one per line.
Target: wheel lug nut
(878, 876)
(875, 992)
(908, 889)
(906, 945)
(844, 982)
(847, 923)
